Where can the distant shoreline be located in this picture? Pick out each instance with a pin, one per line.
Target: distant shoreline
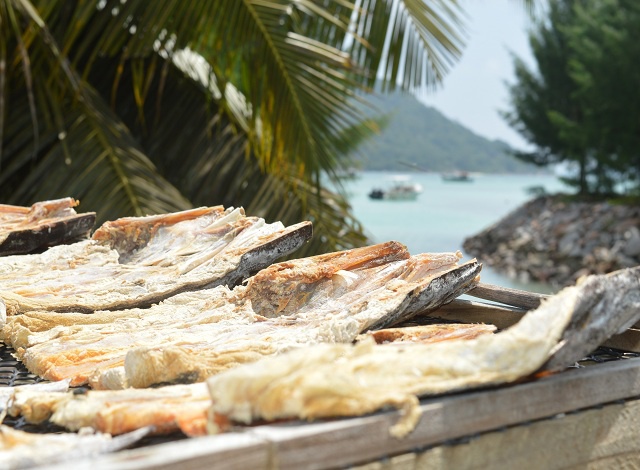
(407, 169)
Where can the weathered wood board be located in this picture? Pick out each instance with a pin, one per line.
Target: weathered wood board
(470, 311)
(601, 438)
(508, 296)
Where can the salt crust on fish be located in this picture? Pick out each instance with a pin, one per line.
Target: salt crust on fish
(191, 336)
(427, 333)
(19, 449)
(137, 261)
(343, 380)
(167, 409)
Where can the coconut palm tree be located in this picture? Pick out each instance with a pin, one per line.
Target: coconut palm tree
(138, 107)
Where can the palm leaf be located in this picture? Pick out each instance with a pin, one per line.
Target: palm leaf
(212, 162)
(106, 161)
(281, 117)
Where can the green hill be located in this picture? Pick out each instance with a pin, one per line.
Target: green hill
(420, 135)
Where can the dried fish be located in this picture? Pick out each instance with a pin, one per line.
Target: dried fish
(191, 336)
(20, 449)
(428, 333)
(343, 380)
(609, 305)
(7, 394)
(159, 410)
(135, 262)
(46, 223)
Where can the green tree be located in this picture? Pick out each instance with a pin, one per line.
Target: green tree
(139, 107)
(543, 108)
(605, 40)
(581, 105)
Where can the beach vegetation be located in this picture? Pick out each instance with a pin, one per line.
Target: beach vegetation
(137, 107)
(580, 105)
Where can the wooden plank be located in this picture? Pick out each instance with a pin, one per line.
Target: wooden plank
(224, 452)
(358, 440)
(470, 311)
(514, 297)
(608, 437)
(627, 341)
(589, 438)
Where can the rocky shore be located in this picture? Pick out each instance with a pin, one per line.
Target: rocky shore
(554, 241)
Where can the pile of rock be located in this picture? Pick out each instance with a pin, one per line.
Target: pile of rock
(555, 241)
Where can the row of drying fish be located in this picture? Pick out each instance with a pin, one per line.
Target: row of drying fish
(139, 261)
(336, 380)
(159, 290)
(193, 335)
(165, 311)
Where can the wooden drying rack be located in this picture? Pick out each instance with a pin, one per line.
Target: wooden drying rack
(585, 416)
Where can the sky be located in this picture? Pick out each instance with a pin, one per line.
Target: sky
(474, 89)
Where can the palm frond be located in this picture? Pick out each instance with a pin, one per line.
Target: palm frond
(298, 104)
(212, 162)
(107, 171)
(413, 42)
(278, 117)
(105, 161)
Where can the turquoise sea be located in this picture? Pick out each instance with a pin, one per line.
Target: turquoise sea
(445, 213)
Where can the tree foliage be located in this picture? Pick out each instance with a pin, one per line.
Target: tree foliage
(605, 41)
(580, 105)
(139, 107)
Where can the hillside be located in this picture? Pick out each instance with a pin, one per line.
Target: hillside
(422, 136)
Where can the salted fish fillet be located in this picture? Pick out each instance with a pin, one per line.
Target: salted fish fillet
(138, 261)
(7, 394)
(343, 380)
(45, 223)
(161, 410)
(165, 409)
(332, 310)
(428, 333)
(19, 449)
(191, 336)
(611, 306)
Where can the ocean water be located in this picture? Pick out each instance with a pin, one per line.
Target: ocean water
(445, 213)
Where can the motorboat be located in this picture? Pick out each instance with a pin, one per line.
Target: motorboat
(402, 189)
(457, 176)
(376, 193)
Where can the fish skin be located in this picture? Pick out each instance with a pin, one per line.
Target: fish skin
(610, 305)
(435, 291)
(45, 223)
